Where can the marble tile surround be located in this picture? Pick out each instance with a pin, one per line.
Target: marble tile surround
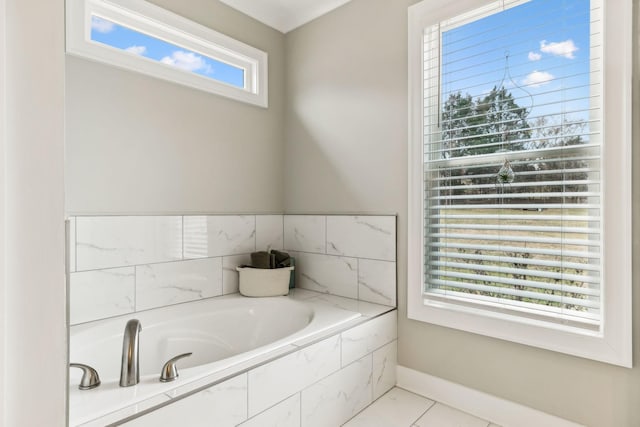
(345, 255)
(124, 264)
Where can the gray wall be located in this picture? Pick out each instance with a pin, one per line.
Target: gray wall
(136, 144)
(346, 150)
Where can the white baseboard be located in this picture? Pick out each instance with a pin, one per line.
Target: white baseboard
(499, 411)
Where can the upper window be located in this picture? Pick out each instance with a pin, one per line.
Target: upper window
(139, 36)
(509, 172)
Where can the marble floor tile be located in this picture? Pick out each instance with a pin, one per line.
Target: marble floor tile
(397, 408)
(445, 416)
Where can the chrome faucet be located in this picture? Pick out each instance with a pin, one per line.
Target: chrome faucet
(130, 369)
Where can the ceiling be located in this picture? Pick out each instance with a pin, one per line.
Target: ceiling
(285, 15)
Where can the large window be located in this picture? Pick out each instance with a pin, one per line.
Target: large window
(519, 215)
(139, 36)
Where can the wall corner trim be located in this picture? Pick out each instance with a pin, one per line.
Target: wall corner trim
(480, 404)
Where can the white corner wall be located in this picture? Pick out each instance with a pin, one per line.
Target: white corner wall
(33, 330)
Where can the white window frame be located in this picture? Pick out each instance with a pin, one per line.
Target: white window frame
(613, 343)
(164, 25)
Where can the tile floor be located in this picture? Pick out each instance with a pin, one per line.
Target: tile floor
(400, 408)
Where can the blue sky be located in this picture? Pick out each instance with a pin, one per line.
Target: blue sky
(548, 46)
(117, 36)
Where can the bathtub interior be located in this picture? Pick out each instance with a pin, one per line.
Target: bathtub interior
(238, 326)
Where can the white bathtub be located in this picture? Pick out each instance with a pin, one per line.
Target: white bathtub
(221, 333)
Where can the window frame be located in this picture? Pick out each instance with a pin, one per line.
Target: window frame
(613, 343)
(164, 25)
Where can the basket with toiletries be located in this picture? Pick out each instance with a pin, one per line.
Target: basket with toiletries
(270, 274)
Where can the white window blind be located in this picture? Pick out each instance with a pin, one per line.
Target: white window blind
(512, 161)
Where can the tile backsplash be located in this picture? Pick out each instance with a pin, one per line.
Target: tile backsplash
(349, 256)
(123, 264)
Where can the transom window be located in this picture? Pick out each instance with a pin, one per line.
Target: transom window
(139, 36)
(512, 173)
(133, 42)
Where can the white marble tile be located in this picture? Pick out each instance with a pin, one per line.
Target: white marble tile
(377, 281)
(445, 416)
(329, 332)
(305, 233)
(363, 339)
(385, 362)
(101, 293)
(219, 235)
(231, 371)
(284, 414)
(327, 274)
(397, 408)
(335, 399)
(371, 237)
(222, 405)
(118, 241)
(71, 252)
(269, 232)
(274, 381)
(230, 283)
(169, 283)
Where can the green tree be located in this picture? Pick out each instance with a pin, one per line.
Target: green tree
(484, 125)
(505, 122)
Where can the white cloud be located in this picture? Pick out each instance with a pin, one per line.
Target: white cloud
(534, 56)
(188, 61)
(101, 25)
(537, 78)
(565, 48)
(137, 50)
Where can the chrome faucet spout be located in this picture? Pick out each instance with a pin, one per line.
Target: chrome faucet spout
(129, 370)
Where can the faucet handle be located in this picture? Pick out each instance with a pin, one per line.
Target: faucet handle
(90, 378)
(169, 370)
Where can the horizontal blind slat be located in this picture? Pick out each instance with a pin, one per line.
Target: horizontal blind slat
(556, 252)
(588, 149)
(509, 259)
(503, 238)
(540, 217)
(587, 303)
(521, 272)
(517, 206)
(509, 227)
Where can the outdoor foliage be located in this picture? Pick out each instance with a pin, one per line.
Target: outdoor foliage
(496, 123)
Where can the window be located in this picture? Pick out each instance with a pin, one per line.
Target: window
(139, 36)
(520, 172)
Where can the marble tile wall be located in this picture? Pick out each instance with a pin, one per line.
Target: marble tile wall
(344, 255)
(123, 264)
(315, 386)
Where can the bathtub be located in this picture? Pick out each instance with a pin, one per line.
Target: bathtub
(222, 333)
